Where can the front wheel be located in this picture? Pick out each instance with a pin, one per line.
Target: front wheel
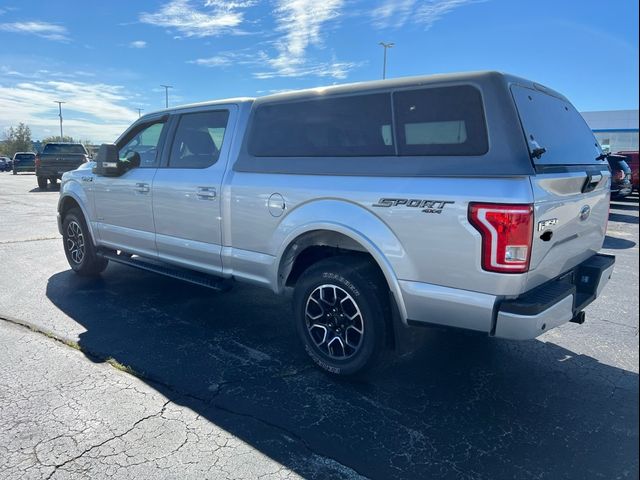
(78, 247)
(341, 310)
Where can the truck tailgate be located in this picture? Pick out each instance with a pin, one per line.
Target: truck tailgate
(570, 225)
(571, 188)
(60, 163)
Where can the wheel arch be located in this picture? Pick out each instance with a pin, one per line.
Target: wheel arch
(70, 199)
(342, 227)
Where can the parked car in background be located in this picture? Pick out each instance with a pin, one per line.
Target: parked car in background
(632, 161)
(56, 159)
(24, 162)
(620, 176)
(5, 164)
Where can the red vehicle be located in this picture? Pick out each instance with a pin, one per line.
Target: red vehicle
(632, 161)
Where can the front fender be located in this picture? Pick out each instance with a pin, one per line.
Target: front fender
(72, 189)
(355, 222)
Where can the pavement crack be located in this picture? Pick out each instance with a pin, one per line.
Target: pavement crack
(8, 242)
(104, 442)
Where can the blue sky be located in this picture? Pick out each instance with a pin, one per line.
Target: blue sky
(106, 59)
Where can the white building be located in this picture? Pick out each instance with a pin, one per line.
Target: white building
(616, 130)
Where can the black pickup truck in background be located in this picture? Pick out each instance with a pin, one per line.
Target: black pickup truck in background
(57, 158)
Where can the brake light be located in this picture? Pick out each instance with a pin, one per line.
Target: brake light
(507, 235)
(619, 175)
(37, 161)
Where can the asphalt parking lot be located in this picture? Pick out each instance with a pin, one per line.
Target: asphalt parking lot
(230, 368)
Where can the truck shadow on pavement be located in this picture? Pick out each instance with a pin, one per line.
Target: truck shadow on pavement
(459, 407)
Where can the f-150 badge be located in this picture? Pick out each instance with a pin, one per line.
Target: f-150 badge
(427, 206)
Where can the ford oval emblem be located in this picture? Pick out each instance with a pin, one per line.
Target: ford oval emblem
(585, 212)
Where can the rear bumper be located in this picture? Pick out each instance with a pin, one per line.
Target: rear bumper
(527, 316)
(555, 302)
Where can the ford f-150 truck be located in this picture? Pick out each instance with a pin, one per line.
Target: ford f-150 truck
(56, 159)
(477, 201)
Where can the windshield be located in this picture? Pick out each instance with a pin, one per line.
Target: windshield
(74, 149)
(553, 124)
(25, 156)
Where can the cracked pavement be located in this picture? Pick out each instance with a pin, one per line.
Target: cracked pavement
(224, 390)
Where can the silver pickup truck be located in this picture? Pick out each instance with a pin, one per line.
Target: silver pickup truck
(476, 201)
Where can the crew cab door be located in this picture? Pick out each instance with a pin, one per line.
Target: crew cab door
(186, 189)
(124, 213)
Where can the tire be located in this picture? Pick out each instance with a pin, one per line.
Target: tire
(345, 298)
(15, 173)
(42, 183)
(78, 245)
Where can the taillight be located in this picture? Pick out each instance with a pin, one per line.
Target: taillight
(37, 162)
(507, 234)
(618, 175)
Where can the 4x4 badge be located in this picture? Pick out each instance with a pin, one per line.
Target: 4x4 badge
(427, 206)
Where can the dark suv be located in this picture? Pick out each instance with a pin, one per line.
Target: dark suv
(5, 164)
(24, 162)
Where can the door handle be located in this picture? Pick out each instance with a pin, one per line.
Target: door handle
(142, 187)
(206, 193)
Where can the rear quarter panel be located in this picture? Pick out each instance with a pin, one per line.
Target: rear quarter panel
(436, 248)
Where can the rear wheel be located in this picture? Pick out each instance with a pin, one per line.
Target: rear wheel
(341, 310)
(78, 246)
(42, 183)
(15, 173)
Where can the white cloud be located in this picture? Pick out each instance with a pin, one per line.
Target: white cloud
(216, 18)
(93, 111)
(222, 60)
(302, 24)
(50, 31)
(138, 44)
(266, 67)
(397, 13)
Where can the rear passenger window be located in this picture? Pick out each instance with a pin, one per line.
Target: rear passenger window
(440, 121)
(198, 139)
(329, 127)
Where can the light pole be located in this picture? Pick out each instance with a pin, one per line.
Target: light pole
(60, 115)
(139, 112)
(166, 94)
(385, 46)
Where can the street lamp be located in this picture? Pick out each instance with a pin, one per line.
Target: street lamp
(139, 112)
(60, 115)
(385, 46)
(166, 94)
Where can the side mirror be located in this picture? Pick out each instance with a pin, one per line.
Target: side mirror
(107, 161)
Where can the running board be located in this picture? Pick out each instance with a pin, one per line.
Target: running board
(197, 278)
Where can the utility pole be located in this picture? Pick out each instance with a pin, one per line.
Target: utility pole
(166, 94)
(385, 46)
(60, 115)
(139, 112)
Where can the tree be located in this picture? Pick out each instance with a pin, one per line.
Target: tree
(67, 139)
(57, 138)
(18, 139)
